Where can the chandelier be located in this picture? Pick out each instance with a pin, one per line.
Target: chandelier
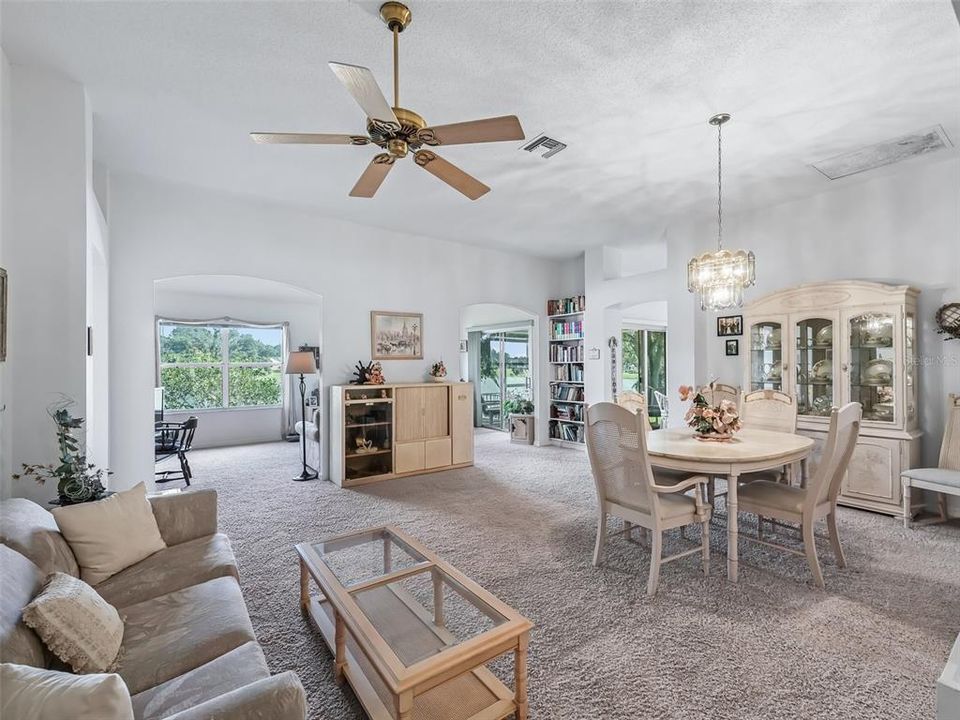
(720, 277)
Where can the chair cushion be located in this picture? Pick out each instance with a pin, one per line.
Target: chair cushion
(666, 476)
(21, 580)
(173, 568)
(675, 505)
(940, 476)
(79, 626)
(110, 535)
(239, 667)
(170, 635)
(768, 494)
(32, 531)
(36, 694)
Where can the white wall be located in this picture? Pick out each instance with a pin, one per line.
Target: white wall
(6, 148)
(98, 318)
(162, 230)
(239, 426)
(46, 260)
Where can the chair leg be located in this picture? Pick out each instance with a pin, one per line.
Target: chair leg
(810, 549)
(835, 539)
(628, 530)
(601, 538)
(683, 532)
(907, 508)
(942, 500)
(705, 539)
(760, 527)
(656, 550)
(185, 468)
(711, 491)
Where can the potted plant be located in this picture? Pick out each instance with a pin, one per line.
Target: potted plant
(715, 423)
(438, 371)
(519, 410)
(77, 480)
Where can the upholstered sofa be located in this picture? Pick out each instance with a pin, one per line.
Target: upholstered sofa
(189, 651)
(313, 437)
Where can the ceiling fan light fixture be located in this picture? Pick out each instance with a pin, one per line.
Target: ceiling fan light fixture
(720, 277)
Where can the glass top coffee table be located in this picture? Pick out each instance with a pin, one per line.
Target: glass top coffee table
(410, 633)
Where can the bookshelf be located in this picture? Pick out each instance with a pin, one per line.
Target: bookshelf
(565, 316)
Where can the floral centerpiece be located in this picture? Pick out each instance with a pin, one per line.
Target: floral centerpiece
(717, 422)
(438, 371)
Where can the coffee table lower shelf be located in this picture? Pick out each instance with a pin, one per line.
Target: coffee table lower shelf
(474, 695)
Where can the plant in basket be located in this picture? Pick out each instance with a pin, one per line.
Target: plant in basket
(438, 371)
(710, 422)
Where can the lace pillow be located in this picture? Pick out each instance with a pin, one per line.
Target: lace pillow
(79, 626)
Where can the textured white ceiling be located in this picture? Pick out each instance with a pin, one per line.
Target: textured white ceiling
(628, 86)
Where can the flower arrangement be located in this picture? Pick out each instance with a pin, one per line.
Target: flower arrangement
(77, 480)
(718, 422)
(438, 371)
(369, 374)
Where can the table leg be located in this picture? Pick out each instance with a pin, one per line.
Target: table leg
(520, 678)
(405, 706)
(304, 586)
(803, 473)
(437, 599)
(732, 548)
(340, 652)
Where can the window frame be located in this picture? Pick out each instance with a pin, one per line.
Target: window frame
(224, 365)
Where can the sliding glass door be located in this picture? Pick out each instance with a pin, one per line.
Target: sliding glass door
(505, 377)
(644, 365)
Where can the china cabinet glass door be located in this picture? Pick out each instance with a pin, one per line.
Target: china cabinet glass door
(814, 361)
(872, 363)
(766, 355)
(910, 373)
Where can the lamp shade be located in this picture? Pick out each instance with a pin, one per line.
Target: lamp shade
(300, 362)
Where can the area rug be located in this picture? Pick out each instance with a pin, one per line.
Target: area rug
(522, 522)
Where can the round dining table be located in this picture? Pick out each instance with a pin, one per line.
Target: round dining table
(750, 450)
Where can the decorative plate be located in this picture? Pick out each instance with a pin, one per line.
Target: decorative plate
(824, 335)
(822, 371)
(878, 372)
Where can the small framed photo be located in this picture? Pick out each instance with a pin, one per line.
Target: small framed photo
(396, 335)
(733, 347)
(729, 325)
(463, 346)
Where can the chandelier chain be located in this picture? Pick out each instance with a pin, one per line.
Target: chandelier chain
(719, 187)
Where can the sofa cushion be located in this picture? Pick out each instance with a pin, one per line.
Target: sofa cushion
(32, 531)
(28, 693)
(21, 580)
(174, 568)
(110, 535)
(79, 626)
(170, 635)
(233, 670)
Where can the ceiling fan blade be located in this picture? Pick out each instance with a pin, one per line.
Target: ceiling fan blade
(308, 139)
(360, 83)
(450, 174)
(494, 129)
(373, 176)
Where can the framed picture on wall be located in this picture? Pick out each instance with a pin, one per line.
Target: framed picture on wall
(396, 335)
(729, 325)
(733, 347)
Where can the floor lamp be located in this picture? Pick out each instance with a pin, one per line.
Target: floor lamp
(302, 362)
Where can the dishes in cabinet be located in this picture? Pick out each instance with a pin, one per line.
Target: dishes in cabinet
(880, 411)
(773, 339)
(876, 332)
(822, 371)
(823, 405)
(878, 371)
(824, 336)
(773, 374)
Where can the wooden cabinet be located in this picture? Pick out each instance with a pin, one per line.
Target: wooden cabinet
(431, 426)
(828, 344)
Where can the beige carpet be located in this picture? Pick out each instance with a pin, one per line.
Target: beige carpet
(521, 523)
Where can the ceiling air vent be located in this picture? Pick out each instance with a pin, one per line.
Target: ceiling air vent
(551, 146)
(885, 153)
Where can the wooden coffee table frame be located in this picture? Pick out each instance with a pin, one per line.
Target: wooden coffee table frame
(362, 656)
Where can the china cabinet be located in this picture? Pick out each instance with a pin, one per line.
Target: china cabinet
(827, 344)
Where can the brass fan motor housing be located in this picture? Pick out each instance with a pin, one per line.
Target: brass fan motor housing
(396, 141)
(395, 15)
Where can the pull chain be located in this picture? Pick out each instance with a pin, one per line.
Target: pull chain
(719, 188)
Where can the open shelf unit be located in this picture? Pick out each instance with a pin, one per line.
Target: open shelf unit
(566, 358)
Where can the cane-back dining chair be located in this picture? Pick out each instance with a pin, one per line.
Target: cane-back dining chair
(629, 488)
(632, 401)
(715, 393)
(768, 410)
(943, 479)
(818, 500)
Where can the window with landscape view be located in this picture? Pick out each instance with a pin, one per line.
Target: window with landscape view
(220, 366)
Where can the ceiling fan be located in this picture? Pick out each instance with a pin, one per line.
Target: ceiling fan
(398, 130)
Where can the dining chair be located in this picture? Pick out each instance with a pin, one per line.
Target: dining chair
(943, 479)
(663, 403)
(174, 439)
(715, 392)
(769, 410)
(630, 489)
(632, 401)
(805, 506)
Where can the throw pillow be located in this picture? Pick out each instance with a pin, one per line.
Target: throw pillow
(79, 626)
(110, 535)
(29, 693)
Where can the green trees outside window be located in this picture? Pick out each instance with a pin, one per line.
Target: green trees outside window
(210, 366)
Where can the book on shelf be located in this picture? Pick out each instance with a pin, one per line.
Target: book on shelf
(567, 412)
(565, 306)
(573, 373)
(566, 353)
(567, 393)
(567, 330)
(570, 433)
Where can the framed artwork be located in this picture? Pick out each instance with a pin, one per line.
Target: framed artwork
(396, 335)
(733, 347)
(463, 346)
(729, 325)
(3, 315)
